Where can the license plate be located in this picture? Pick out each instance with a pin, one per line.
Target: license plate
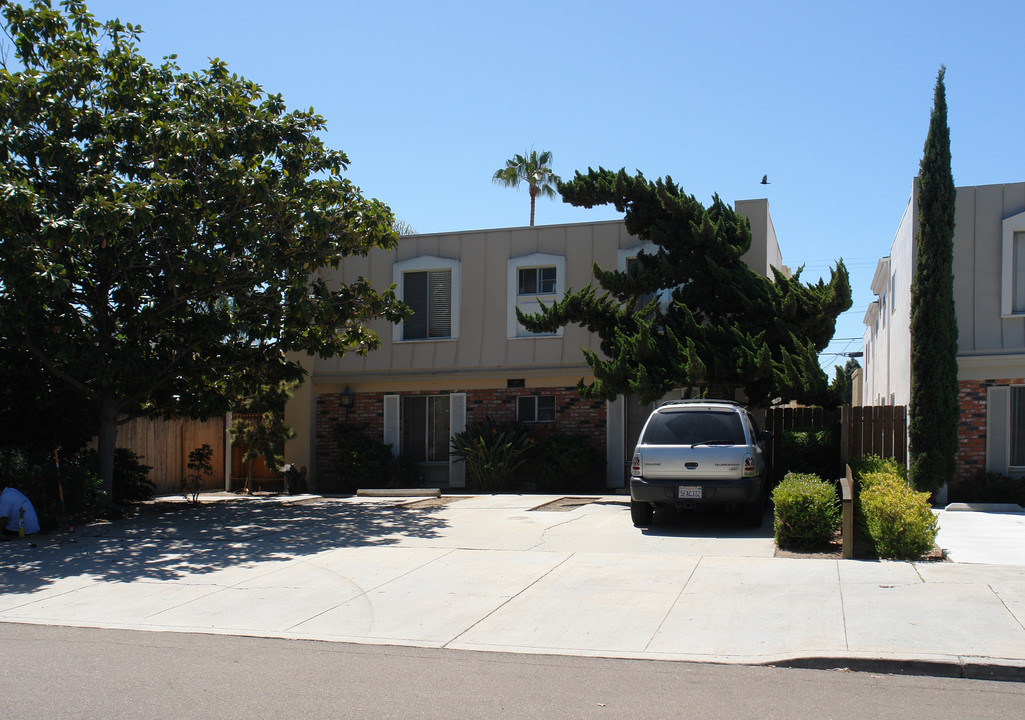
(690, 492)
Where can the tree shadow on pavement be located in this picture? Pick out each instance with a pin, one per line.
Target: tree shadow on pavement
(187, 541)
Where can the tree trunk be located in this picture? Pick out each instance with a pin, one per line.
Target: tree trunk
(107, 441)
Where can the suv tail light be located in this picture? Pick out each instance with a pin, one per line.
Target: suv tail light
(635, 467)
(749, 466)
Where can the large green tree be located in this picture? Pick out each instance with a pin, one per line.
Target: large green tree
(535, 170)
(934, 411)
(692, 314)
(159, 229)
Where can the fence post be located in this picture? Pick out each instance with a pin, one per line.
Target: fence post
(847, 514)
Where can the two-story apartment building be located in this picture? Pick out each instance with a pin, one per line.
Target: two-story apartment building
(989, 296)
(463, 356)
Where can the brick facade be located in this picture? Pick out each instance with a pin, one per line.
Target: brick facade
(972, 399)
(971, 451)
(573, 416)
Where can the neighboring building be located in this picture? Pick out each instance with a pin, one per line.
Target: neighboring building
(989, 295)
(463, 356)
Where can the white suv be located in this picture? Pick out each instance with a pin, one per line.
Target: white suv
(693, 454)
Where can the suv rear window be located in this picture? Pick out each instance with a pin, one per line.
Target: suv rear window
(686, 427)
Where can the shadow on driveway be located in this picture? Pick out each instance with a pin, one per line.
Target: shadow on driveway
(669, 522)
(171, 541)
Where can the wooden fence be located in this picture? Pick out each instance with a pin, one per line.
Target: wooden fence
(165, 446)
(873, 430)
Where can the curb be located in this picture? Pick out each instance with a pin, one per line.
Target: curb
(966, 668)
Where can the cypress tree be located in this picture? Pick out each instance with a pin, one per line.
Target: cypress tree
(934, 408)
(717, 326)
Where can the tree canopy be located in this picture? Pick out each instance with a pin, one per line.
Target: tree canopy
(160, 230)
(535, 170)
(692, 314)
(934, 411)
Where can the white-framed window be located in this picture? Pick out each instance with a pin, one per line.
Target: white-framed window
(533, 279)
(536, 280)
(1012, 286)
(431, 287)
(425, 428)
(1016, 431)
(626, 260)
(535, 408)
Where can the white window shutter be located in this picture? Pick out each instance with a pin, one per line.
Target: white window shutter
(457, 423)
(391, 422)
(998, 415)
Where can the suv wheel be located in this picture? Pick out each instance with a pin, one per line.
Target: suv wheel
(640, 513)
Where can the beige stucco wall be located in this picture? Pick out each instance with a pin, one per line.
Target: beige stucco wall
(989, 346)
(978, 246)
(483, 346)
(483, 355)
(764, 253)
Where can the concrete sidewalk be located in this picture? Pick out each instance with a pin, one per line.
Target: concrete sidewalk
(491, 573)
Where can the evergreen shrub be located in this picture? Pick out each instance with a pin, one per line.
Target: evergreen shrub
(807, 512)
(988, 487)
(364, 461)
(814, 452)
(899, 521)
(568, 463)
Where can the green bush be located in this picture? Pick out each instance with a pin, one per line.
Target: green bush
(988, 487)
(814, 452)
(865, 464)
(199, 467)
(362, 460)
(898, 520)
(807, 513)
(492, 452)
(568, 463)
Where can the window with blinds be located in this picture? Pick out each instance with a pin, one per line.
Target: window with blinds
(429, 294)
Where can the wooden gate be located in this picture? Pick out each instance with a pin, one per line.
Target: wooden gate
(871, 430)
(875, 430)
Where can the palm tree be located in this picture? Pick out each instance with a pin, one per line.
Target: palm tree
(535, 170)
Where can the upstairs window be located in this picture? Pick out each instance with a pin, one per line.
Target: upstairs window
(430, 287)
(1012, 266)
(429, 294)
(533, 279)
(537, 281)
(1018, 304)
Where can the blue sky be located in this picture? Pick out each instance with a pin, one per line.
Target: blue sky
(830, 99)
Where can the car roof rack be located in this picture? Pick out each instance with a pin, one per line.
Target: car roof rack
(695, 401)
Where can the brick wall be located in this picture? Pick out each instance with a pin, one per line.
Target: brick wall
(573, 416)
(971, 453)
(367, 410)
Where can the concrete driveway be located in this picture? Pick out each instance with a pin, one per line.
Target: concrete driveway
(504, 573)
